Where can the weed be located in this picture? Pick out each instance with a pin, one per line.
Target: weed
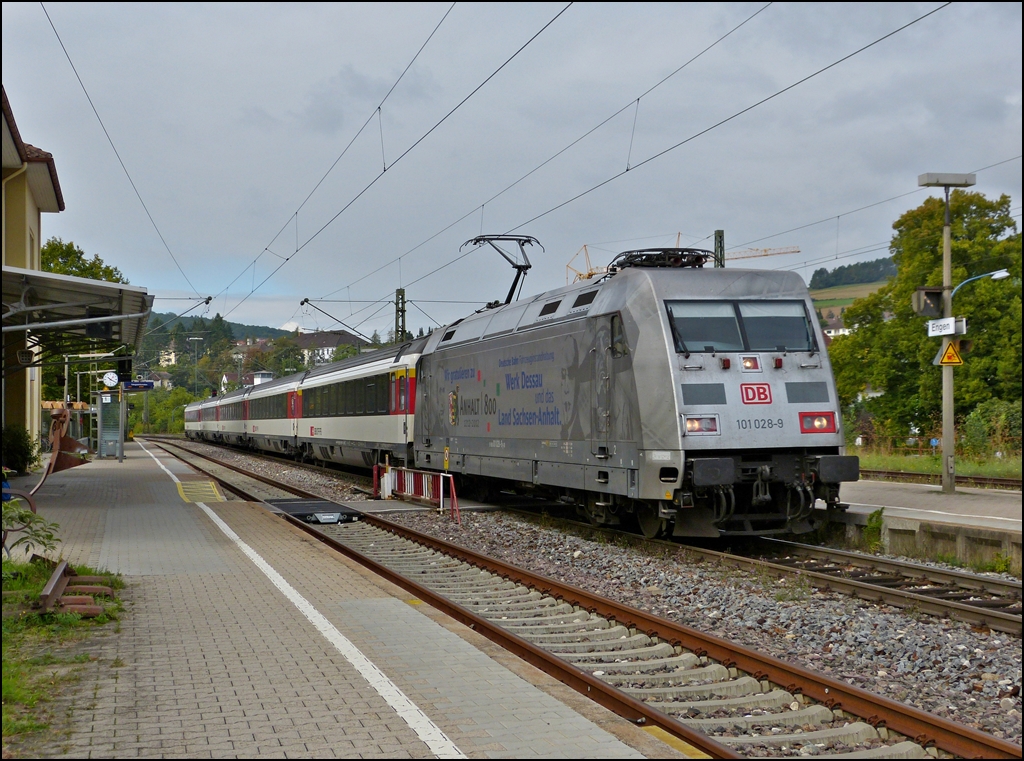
(117, 663)
(793, 589)
(999, 564)
(871, 536)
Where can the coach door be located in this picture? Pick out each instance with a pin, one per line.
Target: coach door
(601, 397)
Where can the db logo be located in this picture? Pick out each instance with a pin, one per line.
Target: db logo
(756, 393)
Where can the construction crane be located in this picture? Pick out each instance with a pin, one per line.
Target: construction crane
(588, 273)
(752, 253)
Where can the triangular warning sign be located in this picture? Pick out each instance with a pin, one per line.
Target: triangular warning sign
(950, 356)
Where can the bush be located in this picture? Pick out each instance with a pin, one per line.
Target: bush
(20, 452)
(993, 426)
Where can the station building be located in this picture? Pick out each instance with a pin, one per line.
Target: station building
(50, 319)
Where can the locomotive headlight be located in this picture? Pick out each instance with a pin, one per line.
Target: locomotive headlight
(817, 422)
(750, 363)
(699, 425)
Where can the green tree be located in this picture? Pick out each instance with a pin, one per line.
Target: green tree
(344, 351)
(889, 349)
(68, 259)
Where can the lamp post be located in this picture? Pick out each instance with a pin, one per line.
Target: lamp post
(996, 275)
(195, 364)
(947, 181)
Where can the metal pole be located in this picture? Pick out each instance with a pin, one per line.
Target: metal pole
(948, 434)
(120, 423)
(67, 380)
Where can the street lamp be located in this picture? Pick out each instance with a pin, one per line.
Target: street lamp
(195, 363)
(997, 275)
(947, 181)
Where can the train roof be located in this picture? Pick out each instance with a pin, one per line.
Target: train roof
(609, 293)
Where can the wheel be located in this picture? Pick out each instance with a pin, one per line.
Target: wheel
(651, 525)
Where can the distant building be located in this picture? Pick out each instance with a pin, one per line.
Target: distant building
(168, 357)
(835, 328)
(318, 347)
(229, 381)
(160, 380)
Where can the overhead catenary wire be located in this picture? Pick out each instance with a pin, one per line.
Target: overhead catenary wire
(401, 156)
(862, 208)
(118, 155)
(697, 135)
(728, 119)
(294, 216)
(555, 155)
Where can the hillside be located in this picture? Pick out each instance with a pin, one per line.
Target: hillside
(238, 330)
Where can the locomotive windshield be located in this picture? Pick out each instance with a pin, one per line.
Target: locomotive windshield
(716, 326)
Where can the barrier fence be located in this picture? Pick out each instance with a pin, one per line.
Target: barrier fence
(422, 486)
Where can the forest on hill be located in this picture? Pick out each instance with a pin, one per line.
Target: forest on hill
(853, 274)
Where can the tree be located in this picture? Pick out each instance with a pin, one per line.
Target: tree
(68, 259)
(344, 351)
(889, 349)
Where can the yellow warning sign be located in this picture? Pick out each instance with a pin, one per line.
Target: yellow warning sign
(950, 356)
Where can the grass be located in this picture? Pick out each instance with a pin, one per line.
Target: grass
(40, 657)
(1006, 467)
(846, 292)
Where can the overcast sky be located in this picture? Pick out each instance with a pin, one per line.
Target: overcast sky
(227, 116)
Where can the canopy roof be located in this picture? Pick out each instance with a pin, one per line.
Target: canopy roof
(61, 314)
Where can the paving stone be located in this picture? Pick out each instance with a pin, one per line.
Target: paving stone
(219, 663)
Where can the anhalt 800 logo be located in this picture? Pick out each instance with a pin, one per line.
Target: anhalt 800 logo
(756, 393)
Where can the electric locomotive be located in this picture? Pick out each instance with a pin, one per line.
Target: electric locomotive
(693, 401)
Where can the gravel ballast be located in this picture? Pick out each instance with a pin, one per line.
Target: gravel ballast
(945, 667)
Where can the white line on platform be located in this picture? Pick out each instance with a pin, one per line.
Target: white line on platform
(936, 512)
(431, 734)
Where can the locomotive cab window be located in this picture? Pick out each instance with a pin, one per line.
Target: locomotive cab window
(723, 326)
(773, 325)
(699, 326)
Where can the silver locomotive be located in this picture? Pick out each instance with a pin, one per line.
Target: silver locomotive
(697, 402)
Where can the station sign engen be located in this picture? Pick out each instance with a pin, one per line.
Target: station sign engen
(947, 326)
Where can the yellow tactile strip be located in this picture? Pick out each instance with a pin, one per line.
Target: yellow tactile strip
(199, 491)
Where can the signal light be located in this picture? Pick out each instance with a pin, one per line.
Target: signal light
(817, 422)
(778, 363)
(927, 301)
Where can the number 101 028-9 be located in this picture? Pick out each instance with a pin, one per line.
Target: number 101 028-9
(747, 424)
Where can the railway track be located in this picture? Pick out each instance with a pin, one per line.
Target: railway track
(724, 699)
(972, 598)
(1013, 484)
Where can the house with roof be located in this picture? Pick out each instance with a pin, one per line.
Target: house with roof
(318, 347)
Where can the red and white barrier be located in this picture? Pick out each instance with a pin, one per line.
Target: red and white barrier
(423, 486)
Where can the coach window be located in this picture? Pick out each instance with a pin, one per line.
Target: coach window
(382, 393)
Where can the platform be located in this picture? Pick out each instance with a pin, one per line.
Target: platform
(973, 526)
(242, 637)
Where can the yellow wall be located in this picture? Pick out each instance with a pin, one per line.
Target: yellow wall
(21, 244)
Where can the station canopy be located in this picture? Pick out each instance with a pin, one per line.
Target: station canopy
(61, 314)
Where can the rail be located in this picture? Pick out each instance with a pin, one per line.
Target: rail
(920, 726)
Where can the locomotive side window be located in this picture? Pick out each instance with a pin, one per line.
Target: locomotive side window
(704, 326)
(774, 324)
(550, 308)
(619, 346)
